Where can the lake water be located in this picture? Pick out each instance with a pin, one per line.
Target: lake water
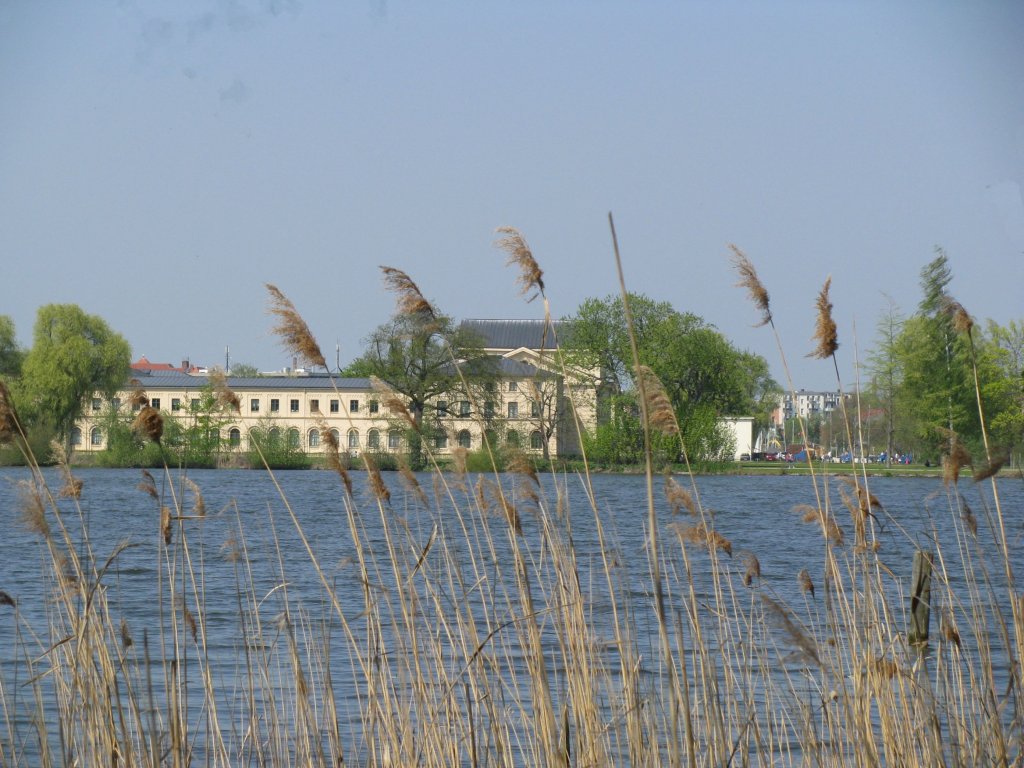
(754, 513)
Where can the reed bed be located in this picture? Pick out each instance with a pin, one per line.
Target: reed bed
(468, 625)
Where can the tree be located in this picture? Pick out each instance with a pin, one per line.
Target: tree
(1002, 352)
(73, 356)
(245, 371)
(427, 359)
(703, 374)
(11, 355)
(937, 392)
(886, 369)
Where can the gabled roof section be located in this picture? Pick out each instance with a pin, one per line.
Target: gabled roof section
(514, 334)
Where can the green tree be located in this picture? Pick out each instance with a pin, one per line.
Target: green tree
(245, 371)
(73, 356)
(937, 392)
(1002, 352)
(415, 354)
(885, 366)
(704, 375)
(11, 355)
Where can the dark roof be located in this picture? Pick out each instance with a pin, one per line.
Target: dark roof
(513, 334)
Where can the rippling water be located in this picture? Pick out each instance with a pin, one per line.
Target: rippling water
(754, 513)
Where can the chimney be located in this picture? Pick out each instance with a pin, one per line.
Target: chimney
(185, 366)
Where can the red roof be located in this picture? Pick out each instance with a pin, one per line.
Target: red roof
(143, 364)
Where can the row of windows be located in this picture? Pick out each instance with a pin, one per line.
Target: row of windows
(373, 438)
(462, 407)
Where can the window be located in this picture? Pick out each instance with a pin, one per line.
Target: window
(374, 406)
(488, 410)
(175, 404)
(76, 437)
(373, 440)
(96, 436)
(313, 438)
(294, 440)
(337, 436)
(513, 410)
(314, 406)
(353, 438)
(274, 435)
(115, 403)
(536, 441)
(194, 405)
(534, 409)
(441, 440)
(235, 437)
(513, 386)
(96, 403)
(293, 406)
(353, 406)
(155, 402)
(464, 438)
(334, 406)
(394, 439)
(215, 435)
(254, 405)
(442, 407)
(488, 386)
(492, 438)
(464, 408)
(512, 438)
(275, 405)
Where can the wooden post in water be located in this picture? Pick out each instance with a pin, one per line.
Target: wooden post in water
(920, 598)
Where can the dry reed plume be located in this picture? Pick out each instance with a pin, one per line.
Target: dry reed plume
(678, 498)
(9, 427)
(409, 298)
(393, 402)
(226, 398)
(660, 413)
(825, 327)
(331, 447)
(292, 329)
(749, 280)
(149, 423)
(530, 280)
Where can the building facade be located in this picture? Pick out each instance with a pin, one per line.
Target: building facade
(807, 404)
(526, 407)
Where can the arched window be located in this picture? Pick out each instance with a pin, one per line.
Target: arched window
(464, 438)
(337, 437)
(313, 439)
(353, 438)
(492, 438)
(76, 437)
(215, 435)
(96, 436)
(536, 441)
(274, 436)
(441, 440)
(255, 436)
(394, 439)
(512, 439)
(373, 440)
(235, 437)
(294, 439)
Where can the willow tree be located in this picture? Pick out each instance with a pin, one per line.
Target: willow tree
(74, 355)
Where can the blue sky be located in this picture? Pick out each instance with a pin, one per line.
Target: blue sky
(161, 161)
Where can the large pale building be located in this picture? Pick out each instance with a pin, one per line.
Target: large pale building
(528, 406)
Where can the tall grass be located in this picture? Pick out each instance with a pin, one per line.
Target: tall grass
(492, 636)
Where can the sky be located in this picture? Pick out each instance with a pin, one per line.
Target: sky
(160, 162)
